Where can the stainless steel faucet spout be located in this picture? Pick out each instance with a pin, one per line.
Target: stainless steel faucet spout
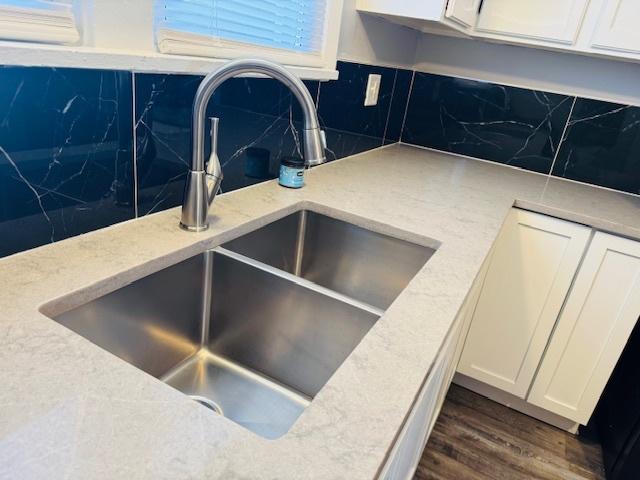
(203, 184)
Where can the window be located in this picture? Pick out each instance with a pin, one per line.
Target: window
(291, 31)
(45, 21)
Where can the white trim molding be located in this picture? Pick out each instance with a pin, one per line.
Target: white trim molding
(51, 22)
(35, 55)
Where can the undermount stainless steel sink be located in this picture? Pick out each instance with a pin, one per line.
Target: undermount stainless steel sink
(254, 329)
(251, 342)
(364, 265)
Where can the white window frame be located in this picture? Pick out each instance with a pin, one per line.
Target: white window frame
(132, 47)
(39, 25)
(184, 43)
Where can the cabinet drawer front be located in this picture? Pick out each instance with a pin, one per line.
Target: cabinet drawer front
(601, 311)
(534, 261)
(550, 20)
(617, 27)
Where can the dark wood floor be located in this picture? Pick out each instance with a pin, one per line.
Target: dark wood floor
(477, 439)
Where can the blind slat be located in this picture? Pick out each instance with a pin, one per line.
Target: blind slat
(293, 25)
(45, 21)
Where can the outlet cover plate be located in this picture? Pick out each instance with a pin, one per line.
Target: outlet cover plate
(373, 90)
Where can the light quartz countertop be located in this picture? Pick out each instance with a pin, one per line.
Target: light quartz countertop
(71, 410)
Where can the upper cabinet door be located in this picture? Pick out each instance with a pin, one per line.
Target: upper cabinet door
(534, 261)
(463, 12)
(601, 311)
(548, 20)
(617, 27)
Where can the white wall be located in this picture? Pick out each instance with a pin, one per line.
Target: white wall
(568, 73)
(372, 40)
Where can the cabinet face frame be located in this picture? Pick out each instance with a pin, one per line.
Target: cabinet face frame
(529, 311)
(597, 319)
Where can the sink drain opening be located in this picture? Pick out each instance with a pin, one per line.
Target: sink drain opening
(210, 404)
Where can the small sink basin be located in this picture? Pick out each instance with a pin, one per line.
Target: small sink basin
(249, 341)
(364, 265)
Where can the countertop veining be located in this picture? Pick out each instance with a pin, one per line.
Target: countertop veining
(69, 409)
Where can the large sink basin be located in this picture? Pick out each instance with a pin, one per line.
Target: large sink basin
(247, 340)
(364, 265)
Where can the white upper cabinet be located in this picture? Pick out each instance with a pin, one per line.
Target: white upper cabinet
(617, 27)
(591, 27)
(547, 20)
(534, 261)
(464, 12)
(596, 322)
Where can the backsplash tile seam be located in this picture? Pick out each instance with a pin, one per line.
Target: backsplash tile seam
(135, 144)
(563, 136)
(393, 91)
(406, 108)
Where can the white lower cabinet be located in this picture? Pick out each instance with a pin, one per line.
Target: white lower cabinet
(407, 451)
(592, 330)
(555, 311)
(534, 261)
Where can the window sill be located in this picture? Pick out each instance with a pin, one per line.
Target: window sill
(40, 55)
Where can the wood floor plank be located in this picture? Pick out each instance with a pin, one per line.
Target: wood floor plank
(478, 439)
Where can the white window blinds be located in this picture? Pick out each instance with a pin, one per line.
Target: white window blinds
(197, 27)
(45, 21)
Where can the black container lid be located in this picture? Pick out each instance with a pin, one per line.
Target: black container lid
(292, 161)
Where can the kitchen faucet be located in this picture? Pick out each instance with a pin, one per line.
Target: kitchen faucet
(203, 184)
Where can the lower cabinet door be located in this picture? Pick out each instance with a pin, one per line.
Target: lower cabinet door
(533, 263)
(597, 319)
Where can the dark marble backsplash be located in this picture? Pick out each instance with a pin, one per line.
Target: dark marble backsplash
(82, 149)
(575, 138)
(514, 126)
(65, 153)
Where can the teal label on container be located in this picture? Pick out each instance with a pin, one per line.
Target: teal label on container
(291, 177)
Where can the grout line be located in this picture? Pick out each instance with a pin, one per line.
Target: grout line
(393, 92)
(406, 108)
(562, 137)
(318, 98)
(135, 145)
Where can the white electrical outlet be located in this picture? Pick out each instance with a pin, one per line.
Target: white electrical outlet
(373, 89)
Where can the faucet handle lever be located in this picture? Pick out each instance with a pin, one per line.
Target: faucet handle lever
(215, 121)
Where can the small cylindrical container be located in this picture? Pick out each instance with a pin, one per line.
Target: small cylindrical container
(291, 172)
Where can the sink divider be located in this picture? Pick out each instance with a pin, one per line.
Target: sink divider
(298, 280)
